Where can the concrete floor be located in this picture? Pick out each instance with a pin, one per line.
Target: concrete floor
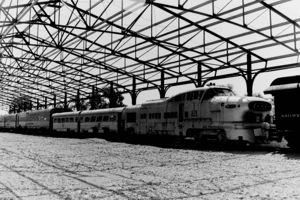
(34, 167)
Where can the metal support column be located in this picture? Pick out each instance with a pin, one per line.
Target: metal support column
(199, 78)
(65, 102)
(37, 104)
(133, 93)
(78, 100)
(93, 106)
(249, 80)
(45, 102)
(162, 90)
(54, 100)
(30, 105)
(111, 96)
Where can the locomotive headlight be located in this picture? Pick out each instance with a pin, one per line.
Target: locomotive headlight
(260, 106)
(230, 106)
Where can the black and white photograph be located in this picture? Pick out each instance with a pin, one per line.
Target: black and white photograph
(149, 99)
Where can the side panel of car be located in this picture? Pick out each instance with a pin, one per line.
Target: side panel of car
(131, 118)
(66, 122)
(10, 121)
(91, 121)
(1, 121)
(34, 119)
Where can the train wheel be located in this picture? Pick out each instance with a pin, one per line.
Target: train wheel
(293, 142)
(95, 130)
(221, 138)
(199, 140)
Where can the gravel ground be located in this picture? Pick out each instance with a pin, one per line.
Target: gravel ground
(34, 167)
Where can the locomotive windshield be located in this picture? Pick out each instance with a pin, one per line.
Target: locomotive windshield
(212, 92)
(203, 94)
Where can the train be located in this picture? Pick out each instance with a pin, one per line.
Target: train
(286, 92)
(205, 113)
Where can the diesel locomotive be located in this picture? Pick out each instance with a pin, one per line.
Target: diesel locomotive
(205, 113)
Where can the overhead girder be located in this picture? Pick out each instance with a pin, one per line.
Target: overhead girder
(127, 32)
(135, 59)
(29, 88)
(158, 43)
(97, 62)
(215, 16)
(21, 69)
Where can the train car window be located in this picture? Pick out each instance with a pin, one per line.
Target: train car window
(105, 118)
(63, 120)
(178, 98)
(210, 93)
(76, 119)
(55, 120)
(158, 116)
(71, 119)
(152, 116)
(144, 116)
(112, 118)
(190, 96)
(174, 115)
(59, 120)
(93, 119)
(99, 119)
(223, 92)
(196, 94)
(201, 94)
(87, 119)
(131, 117)
(170, 115)
(67, 120)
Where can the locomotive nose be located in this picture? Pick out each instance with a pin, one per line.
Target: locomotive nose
(260, 106)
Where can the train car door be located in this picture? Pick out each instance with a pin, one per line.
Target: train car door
(17, 121)
(180, 118)
(121, 124)
(143, 120)
(78, 122)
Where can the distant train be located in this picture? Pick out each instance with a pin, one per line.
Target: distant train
(206, 113)
(286, 92)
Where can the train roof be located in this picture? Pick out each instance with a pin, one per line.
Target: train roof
(133, 107)
(184, 92)
(30, 112)
(8, 115)
(105, 110)
(71, 113)
(37, 111)
(155, 101)
(284, 84)
(203, 88)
